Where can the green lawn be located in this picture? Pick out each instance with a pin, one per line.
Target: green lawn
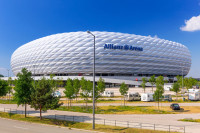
(190, 120)
(7, 101)
(116, 110)
(110, 100)
(79, 125)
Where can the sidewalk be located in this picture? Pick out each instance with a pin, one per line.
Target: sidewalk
(162, 121)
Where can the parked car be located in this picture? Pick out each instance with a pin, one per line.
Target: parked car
(57, 94)
(175, 106)
(167, 97)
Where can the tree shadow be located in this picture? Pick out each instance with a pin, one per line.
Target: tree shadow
(181, 110)
(70, 118)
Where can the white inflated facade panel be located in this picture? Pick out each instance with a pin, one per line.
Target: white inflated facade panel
(73, 53)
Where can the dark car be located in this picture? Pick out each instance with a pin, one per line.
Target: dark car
(175, 106)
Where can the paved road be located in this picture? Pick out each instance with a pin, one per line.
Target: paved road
(12, 126)
(164, 119)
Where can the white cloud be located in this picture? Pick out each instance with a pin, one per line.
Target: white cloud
(192, 24)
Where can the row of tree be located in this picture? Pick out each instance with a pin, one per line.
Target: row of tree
(187, 82)
(85, 87)
(152, 80)
(159, 81)
(40, 94)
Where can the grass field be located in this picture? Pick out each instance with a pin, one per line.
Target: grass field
(117, 110)
(110, 100)
(79, 125)
(7, 101)
(190, 120)
(132, 109)
(187, 109)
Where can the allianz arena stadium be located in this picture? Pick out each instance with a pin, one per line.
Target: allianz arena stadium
(118, 56)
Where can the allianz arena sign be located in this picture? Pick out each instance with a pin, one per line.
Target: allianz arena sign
(125, 47)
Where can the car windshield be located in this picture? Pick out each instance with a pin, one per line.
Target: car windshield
(176, 105)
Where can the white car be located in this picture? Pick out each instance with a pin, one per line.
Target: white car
(57, 94)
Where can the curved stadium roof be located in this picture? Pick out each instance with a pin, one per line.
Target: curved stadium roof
(116, 53)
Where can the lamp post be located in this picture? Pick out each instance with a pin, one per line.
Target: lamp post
(93, 124)
(182, 80)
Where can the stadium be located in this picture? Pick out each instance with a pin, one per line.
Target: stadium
(119, 57)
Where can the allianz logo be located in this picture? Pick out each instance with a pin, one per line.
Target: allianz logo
(125, 47)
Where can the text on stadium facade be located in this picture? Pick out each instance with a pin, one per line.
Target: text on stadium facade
(125, 47)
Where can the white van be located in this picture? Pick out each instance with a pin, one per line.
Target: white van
(133, 96)
(194, 96)
(147, 97)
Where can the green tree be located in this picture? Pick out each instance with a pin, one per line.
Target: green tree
(42, 97)
(3, 87)
(77, 86)
(53, 82)
(69, 90)
(124, 90)
(152, 81)
(159, 89)
(1, 75)
(176, 88)
(60, 82)
(86, 88)
(9, 89)
(23, 88)
(143, 84)
(180, 81)
(189, 83)
(99, 89)
(89, 88)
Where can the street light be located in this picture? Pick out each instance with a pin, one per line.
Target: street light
(93, 124)
(182, 79)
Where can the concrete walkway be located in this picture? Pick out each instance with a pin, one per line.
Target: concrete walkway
(132, 120)
(12, 126)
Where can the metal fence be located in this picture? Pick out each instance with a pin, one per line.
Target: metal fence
(128, 124)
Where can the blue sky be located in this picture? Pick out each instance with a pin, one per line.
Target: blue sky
(22, 21)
